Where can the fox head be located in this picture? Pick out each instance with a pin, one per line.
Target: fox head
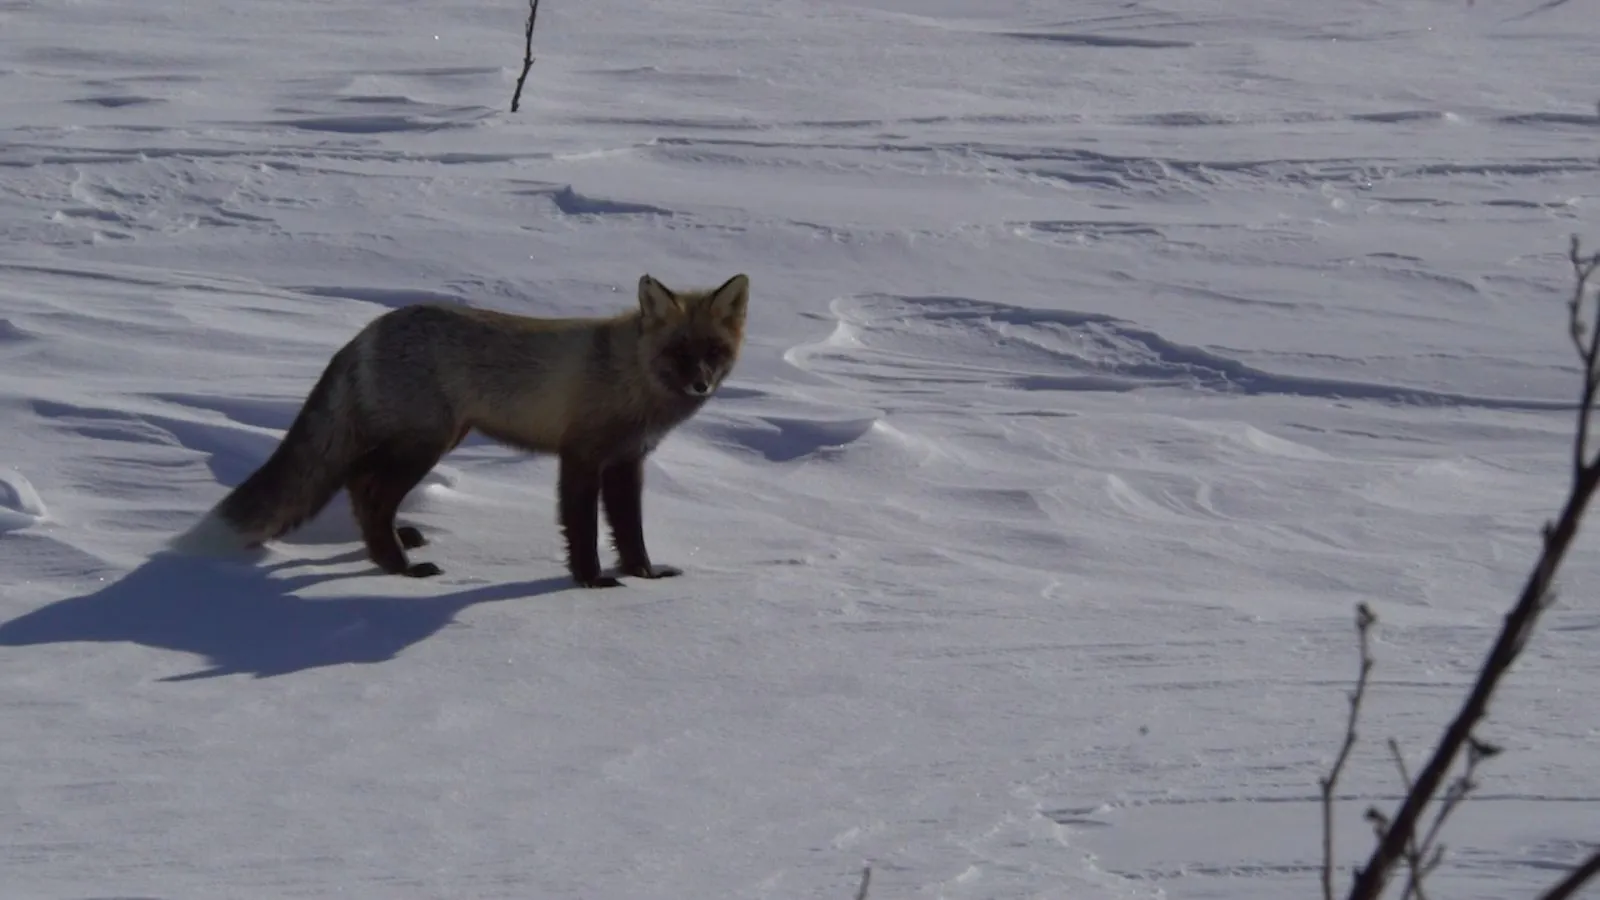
(690, 339)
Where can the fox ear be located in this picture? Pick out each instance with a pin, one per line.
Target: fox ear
(656, 300)
(728, 302)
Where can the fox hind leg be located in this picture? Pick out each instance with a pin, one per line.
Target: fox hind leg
(377, 483)
(410, 536)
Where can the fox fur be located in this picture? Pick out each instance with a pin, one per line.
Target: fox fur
(599, 393)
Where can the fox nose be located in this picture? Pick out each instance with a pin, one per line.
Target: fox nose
(700, 387)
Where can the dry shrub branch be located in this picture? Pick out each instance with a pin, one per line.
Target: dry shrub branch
(527, 54)
(1398, 833)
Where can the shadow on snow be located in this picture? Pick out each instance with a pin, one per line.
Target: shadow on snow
(245, 621)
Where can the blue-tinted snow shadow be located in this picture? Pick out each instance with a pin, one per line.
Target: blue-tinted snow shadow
(246, 622)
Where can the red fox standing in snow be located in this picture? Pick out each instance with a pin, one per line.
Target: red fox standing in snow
(406, 390)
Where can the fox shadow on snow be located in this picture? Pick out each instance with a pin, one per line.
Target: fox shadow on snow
(245, 621)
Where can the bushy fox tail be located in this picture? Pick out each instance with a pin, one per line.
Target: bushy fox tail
(308, 467)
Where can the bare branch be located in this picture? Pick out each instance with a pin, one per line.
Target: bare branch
(1569, 886)
(1364, 621)
(527, 54)
(1418, 868)
(1430, 849)
(1519, 621)
(1588, 347)
(1400, 762)
(866, 879)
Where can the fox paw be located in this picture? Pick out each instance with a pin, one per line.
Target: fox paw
(422, 570)
(652, 571)
(597, 581)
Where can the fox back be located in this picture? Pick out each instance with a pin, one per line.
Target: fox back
(550, 385)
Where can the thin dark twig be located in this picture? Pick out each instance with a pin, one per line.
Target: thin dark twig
(866, 879)
(1588, 349)
(1568, 886)
(1519, 621)
(1400, 762)
(1477, 752)
(1414, 855)
(527, 54)
(1364, 620)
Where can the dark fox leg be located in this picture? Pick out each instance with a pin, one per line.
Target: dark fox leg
(578, 493)
(622, 490)
(411, 537)
(377, 484)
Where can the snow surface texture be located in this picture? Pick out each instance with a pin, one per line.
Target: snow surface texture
(1102, 355)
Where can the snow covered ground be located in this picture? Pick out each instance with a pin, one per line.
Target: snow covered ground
(1102, 356)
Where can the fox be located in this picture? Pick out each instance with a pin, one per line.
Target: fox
(600, 394)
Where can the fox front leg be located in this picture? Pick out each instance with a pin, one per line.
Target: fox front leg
(578, 491)
(622, 491)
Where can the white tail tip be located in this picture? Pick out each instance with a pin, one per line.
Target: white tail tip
(210, 536)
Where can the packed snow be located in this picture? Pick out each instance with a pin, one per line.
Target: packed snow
(1101, 357)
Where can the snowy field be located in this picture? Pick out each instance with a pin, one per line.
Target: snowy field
(1102, 356)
